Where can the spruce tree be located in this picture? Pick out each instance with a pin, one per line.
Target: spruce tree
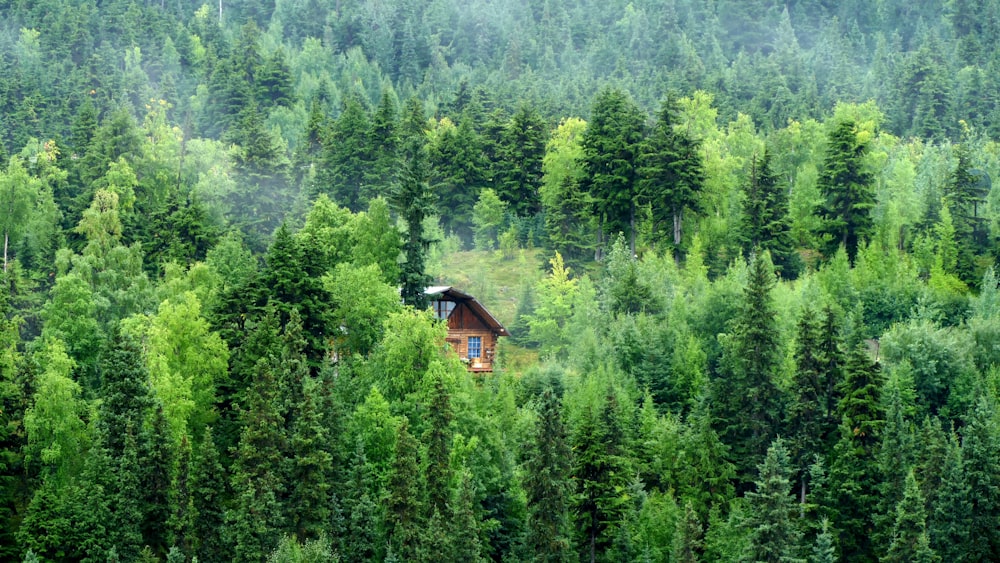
(847, 187)
(909, 531)
(601, 469)
(688, 544)
(981, 455)
(748, 403)
(208, 494)
(672, 173)
(412, 200)
(522, 147)
(610, 155)
(438, 438)
(180, 526)
(404, 507)
(774, 533)
(765, 223)
(547, 484)
(465, 523)
(310, 467)
(807, 419)
(948, 518)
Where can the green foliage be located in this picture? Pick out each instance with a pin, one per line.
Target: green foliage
(487, 216)
(774, 535)
(846, 185)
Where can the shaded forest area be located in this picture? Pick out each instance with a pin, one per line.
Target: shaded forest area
(768, 328)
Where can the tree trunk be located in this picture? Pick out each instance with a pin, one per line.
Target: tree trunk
(677, 226)
(631, 221)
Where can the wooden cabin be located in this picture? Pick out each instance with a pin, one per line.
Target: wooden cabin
(472, 330)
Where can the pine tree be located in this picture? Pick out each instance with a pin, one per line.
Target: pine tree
(311, 466)
(854, 474)
(181, 523)
(981, 454)
(438, 438)
(522, 147)
(909, 534)
(847, 187)
(405, 490)
(156, 465)
(363, 538)
(465, 523)
(824, 551)
(347, 155)
(807, 419)
(256, 517)
(547, 484)
(774, 534)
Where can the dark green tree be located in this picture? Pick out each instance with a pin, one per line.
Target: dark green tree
(949, 514)
(346, 159)
(311, 466)
(748, 405)
(808, 422)
(520, 152)
(404, 505)
(847, 187)
(601, 471)
(774, 533)
(208, 495)
(688, 544)
(672, 173)
(981, 455)
(458, 173)
(765, 222)
(547, 484)
(181, 534)
(909, 532)
(438, 438)
(611, 146)
(413, 201)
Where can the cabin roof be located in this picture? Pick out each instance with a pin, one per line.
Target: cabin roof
(449, 293)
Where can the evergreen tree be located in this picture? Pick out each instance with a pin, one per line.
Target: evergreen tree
(672, 172)
(521, 149)
(610, 150)
(748, 403)
(854, 474)
(765, 223)
(547, 484)
(347, 155)
(909, 534)
(384, 136)
(948, 518)
(311, 466)
(601, 471)
(981, 455)
(465, 524)
(438, 438)
(156, 466)
(808, 426)
(254, 522)
(824, 551)
(405, 490)
(774, 534)
(412, 200)
(847, 187)
(458, 174)
(688, 543)
(181, 523)
(208, 493)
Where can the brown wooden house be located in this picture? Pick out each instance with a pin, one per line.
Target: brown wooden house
(472, 330)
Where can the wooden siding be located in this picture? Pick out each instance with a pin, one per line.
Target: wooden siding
(464, 318)
(459, 341)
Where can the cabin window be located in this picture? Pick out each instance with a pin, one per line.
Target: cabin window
(443, 309)
(475, 347)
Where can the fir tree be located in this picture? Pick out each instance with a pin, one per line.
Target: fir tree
(413, 201)
(807, 419)
(311, 466)
(601, 472)
(610, 150)
(748, 403)
(981, 455)
(688, 543)
(438, 438)
(208, 493)
(181, 523)
(774, 534)
(847, 187)
(909, 534)
(547, 484)
(765, 224)
(672, 172)
(949, 514)
(405, 490)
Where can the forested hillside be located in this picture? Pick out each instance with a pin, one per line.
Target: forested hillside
(767, 327)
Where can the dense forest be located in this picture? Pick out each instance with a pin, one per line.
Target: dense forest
(755, 315)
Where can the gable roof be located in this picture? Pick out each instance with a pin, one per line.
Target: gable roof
(449, 293)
